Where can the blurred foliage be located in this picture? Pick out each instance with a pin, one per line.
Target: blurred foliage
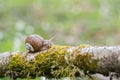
(95, 22)
(57, 62)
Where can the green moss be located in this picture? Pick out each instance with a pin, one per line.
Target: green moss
(58, 61)
(22, 67)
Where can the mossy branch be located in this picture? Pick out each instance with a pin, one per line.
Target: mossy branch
(61, 61)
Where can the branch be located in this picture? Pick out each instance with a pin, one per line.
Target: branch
(62, 61)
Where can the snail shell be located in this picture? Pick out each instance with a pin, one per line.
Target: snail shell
(34, 43)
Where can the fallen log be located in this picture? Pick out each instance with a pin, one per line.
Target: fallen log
(62, 61)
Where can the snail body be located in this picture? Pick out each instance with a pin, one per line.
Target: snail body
(35, 43)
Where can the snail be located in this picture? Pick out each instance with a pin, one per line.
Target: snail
(35, 43)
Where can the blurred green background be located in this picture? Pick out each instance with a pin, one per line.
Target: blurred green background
(72, 22)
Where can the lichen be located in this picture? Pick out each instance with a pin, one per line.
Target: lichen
(58, 61)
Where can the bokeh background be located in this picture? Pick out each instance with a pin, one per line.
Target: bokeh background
(72, 22)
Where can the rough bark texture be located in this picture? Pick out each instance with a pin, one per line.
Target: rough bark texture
(109, 58)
